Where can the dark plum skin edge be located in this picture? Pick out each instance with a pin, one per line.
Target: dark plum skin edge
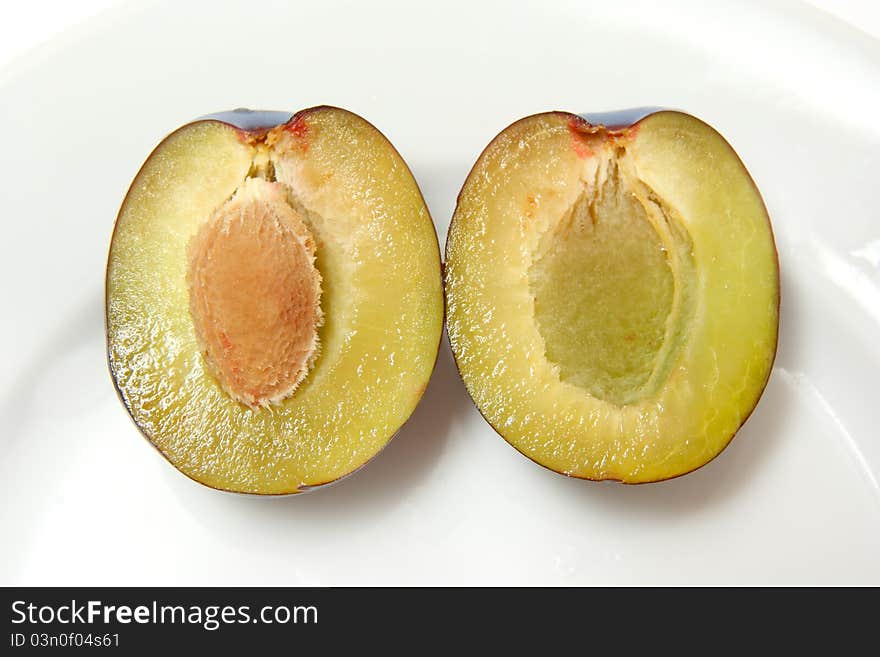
(254, 122)
(618, 121)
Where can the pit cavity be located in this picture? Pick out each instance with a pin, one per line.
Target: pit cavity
(611, 285)
(255, 292)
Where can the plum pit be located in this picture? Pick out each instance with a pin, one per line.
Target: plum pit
(255, 294)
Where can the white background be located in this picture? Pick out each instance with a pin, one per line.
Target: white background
(794, 499)
(28, 24)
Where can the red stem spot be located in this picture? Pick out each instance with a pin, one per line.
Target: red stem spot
(578, 143)
(299, 130)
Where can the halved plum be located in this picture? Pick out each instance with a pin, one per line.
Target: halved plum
(613, 293)
(274, 298)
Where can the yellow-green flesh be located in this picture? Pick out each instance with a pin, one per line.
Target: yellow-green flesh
(613, 299)
(382, 302)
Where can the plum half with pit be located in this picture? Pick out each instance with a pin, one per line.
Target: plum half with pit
(274, 298)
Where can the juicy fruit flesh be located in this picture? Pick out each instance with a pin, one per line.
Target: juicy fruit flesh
(515, 266)
(381, 298)
(603, 292)
(255, 294)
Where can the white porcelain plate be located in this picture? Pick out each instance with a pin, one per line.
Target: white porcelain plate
(794, 499)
